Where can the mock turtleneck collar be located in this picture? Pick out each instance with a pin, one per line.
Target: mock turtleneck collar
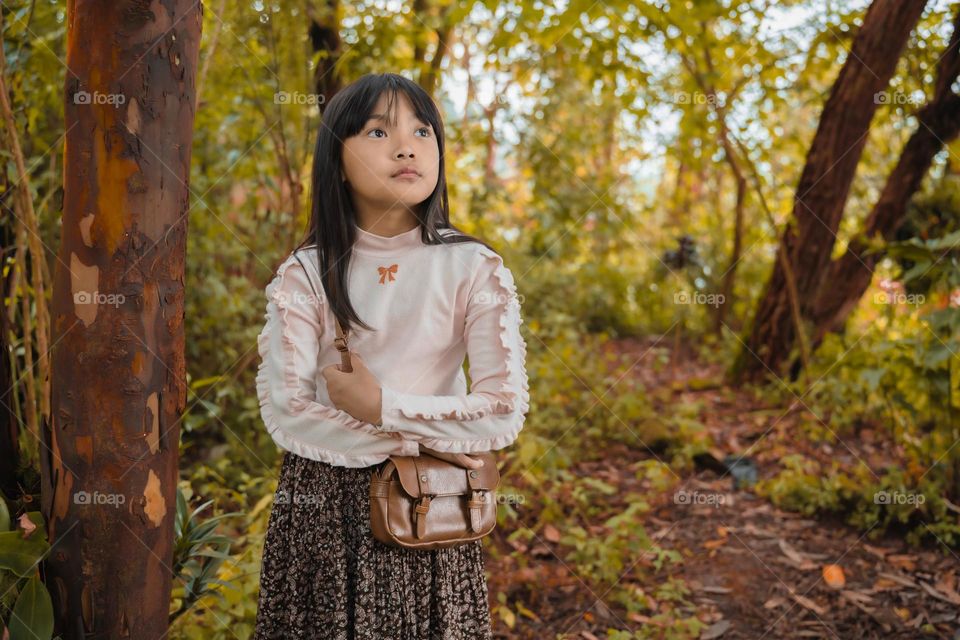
(371, 243)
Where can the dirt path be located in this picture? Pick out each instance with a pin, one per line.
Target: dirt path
(753, 571)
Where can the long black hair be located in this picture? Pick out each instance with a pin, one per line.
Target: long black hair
(333, 220)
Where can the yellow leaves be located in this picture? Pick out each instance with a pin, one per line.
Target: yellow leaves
(526, 613)
(510, 618)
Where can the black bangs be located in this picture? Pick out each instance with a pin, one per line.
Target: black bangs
(357, 108)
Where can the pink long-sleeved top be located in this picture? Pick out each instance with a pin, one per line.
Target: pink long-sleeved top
(430, 305)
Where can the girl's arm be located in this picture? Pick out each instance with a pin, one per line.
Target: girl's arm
(491, 415)
(286, 380)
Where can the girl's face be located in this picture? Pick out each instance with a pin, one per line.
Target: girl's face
(374, 158)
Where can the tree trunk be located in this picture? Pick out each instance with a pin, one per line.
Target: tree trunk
(327, 46)
(110, 467)
(824, 185)
(939, 123)
(725, 303)
(430, 71)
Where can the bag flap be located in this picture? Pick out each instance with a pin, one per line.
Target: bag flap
(443, 478)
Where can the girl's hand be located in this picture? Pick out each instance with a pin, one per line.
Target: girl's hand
(358, 392)
(460, 459)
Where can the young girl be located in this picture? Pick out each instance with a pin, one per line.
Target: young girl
(416, 296)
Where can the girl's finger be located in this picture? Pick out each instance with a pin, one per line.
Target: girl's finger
(469, 462)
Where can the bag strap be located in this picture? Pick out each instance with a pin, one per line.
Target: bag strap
(340, 342)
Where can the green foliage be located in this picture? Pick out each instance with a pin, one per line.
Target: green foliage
(26, 610)
(898, 379)
(875, 503)
(198, 554)
(226, 610)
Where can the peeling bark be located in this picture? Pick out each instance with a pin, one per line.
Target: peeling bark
(119, 385)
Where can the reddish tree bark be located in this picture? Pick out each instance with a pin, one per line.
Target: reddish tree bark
(821, 194)
(110, 473)
(939, 123)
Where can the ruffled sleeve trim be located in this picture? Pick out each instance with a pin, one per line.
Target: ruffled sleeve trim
(507, 400)
(479, 445)
(501, 411)
(298, 411)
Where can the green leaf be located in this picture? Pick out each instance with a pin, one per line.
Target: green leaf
(4, 516)
(21, 555)
(32, 617)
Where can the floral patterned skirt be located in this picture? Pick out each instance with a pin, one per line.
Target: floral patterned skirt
(324, 576)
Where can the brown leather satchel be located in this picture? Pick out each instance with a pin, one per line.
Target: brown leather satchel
(423, 502)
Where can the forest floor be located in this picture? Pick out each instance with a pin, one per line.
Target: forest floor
(752, 570)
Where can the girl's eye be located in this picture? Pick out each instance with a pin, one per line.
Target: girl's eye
(426, 129)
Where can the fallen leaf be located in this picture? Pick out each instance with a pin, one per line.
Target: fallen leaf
(885, 584)
(877, 551)
(833, 576)
(795, 557)
(709, 589)
(507, 616)
(903, 561)
(856, 596)
(808, 603)
(952, 598)
(947, 583)
(551, 533)
(901, 580)
(715, 630)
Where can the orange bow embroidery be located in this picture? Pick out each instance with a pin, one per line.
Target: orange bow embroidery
(387, 271)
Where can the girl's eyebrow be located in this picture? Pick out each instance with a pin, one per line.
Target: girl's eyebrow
(380, 116)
